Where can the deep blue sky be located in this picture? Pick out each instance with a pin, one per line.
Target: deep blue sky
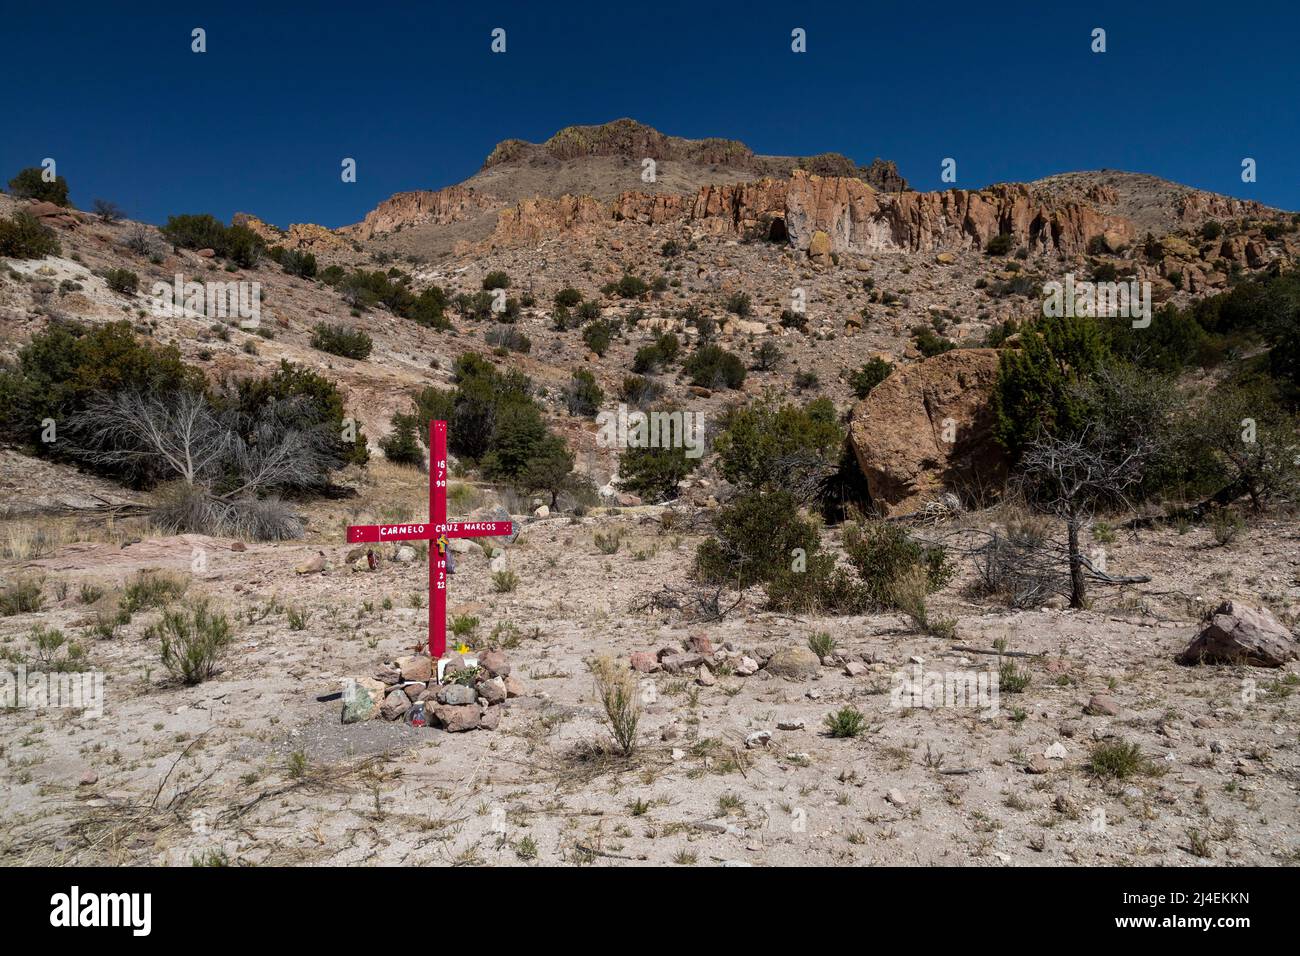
(261, 121)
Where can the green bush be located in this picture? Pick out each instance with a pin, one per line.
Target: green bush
(583, 396)
(496, 280)
(341, 340)
(192, 640)
(508, 337)
(597, 335)
(998, 245)
(238, 244)
(712, 366)
(654, 473)
(30, 183)
(21, 596)
(24, 237)
(402, 445)
(755, 538)
(122, 281)
(883, 553)
(766, 444)
(1037, 383)
(740, 304)
(655, 357)
(568, 297)
(869, 376)
(628, 287)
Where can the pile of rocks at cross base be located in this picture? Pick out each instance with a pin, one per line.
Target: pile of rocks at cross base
(470, 696)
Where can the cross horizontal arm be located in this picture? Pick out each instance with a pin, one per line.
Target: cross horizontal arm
(478, 529)
(424, 531)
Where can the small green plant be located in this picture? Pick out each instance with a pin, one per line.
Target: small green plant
(608, 543)
(54, 651)
(526, 848)
(1226, 525)
(341, 340)
(192, 640)
(22, 596)
(821, 644)
(90, 593)
(1011, 678)
(503, 582)
(150, 589)
(1117, 760)
(617, 691)
(846, 722)
(299, 617)
(464, 625)
(298, 764)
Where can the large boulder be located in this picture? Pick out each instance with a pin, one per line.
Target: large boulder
(1238, 634)
(795, 662)
(929, 428)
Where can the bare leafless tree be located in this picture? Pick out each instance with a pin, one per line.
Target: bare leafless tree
(147, 436)
(1071, 476)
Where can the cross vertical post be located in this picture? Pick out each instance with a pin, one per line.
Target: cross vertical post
(438, 549)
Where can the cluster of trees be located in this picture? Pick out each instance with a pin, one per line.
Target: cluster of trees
(494, 423)
(1095, 417)
(236, 244)
(105, 399)
(363, 289)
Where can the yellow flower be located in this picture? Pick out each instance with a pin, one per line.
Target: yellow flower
(462, 648)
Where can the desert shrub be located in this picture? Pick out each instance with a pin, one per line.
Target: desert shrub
(846, 722)
(929, 343)
(30, 183)
(640, 391)
(869, 376)
(821, 644)
(122, 281)
(567, 298)
(1012, 678)
(657, 356)
(192, 639)
(628, 287)
(712, 366)
(740, 304)
(23, 595)
(654, 473)
(1037, 383)
(496, 280)
(998, 245)
(1118, 760)
(617, 691)
(24, 237)
(503, 582)
(768, 356)
(779, 445)
(67, 365)
(298, 263)
(341, 340)
(1226, 526)
(882, 553)
(150, 589)
(756, 536)
(1211, 230)
(108, 212)
(308, 402)
(54, 652)
(402, 445)
(508, 337)
(817, 585)
(238, 244)
(907, 591)
(597, 335)
(583, 396)
(791, 319)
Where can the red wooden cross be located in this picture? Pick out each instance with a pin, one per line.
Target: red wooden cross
(437, 532)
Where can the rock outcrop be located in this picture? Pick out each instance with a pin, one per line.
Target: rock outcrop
(1239, 634)
(441, 207)
(856, 217)
(928, 428)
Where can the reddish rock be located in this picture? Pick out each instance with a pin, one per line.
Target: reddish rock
(645, 662)
(1239, 634)
(457, 718)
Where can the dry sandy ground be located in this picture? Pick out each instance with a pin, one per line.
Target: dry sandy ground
(251, 768)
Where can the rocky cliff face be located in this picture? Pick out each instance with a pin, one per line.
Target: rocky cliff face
(445, 206)
(855, 217)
